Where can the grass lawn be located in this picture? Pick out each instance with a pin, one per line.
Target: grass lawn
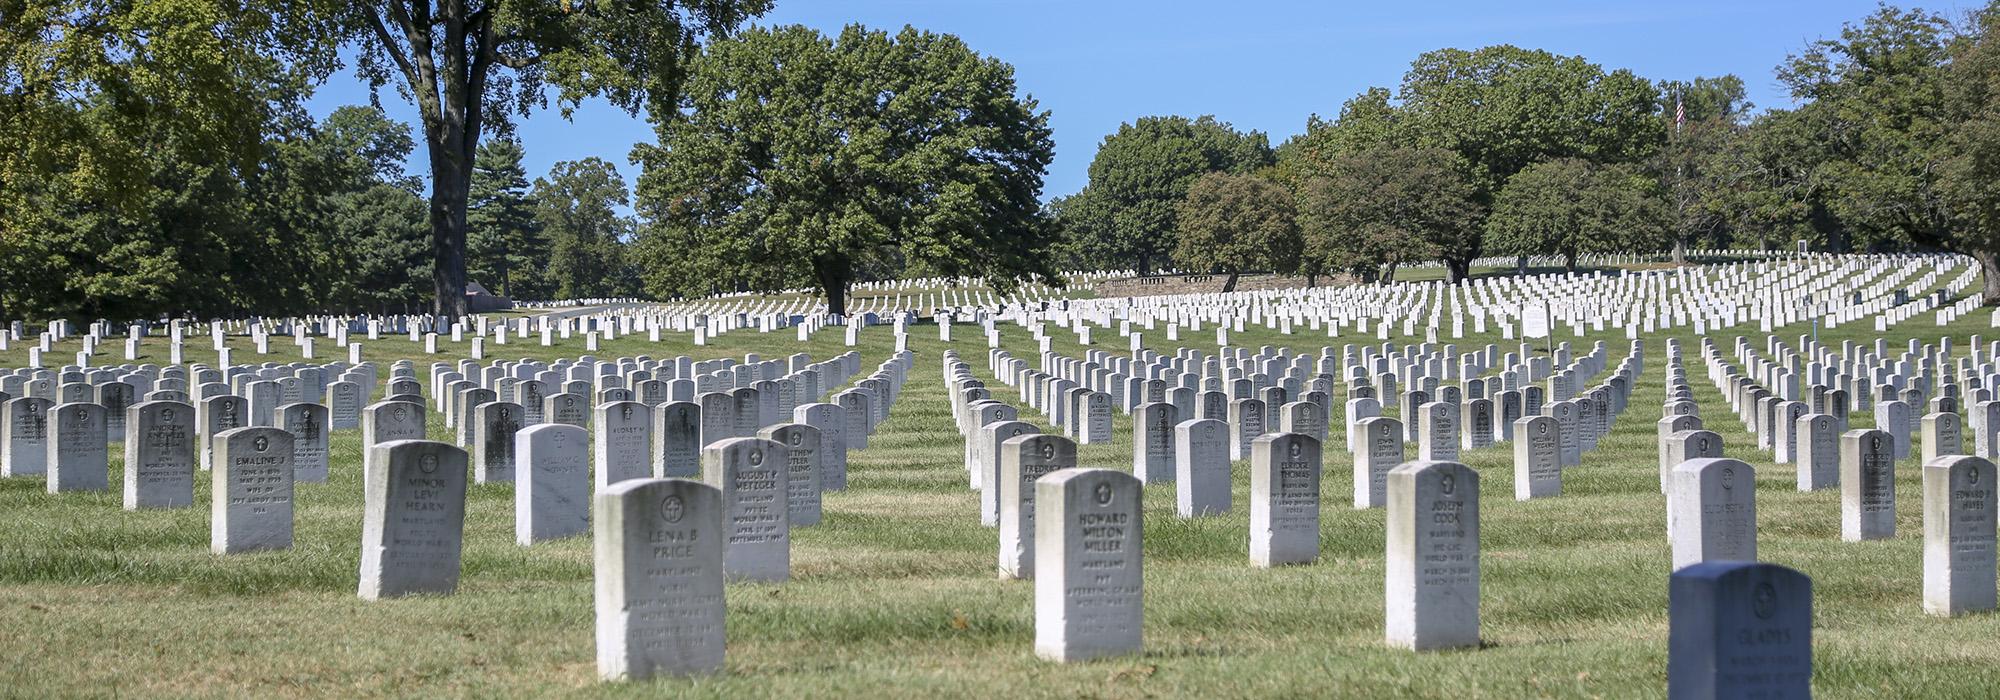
(895, 593)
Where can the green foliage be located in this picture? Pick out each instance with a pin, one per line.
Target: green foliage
(1082, 225)
(1969, 175)
(1571, 207)
(1141, 174)
(504, 245)
(1366, 121)
(1504, 108)
(1695, 168)
(470, 68)
(799, 159)
(1385, 205)
(1877, 93)
(1500, 109)
(390, 270)
(577, 206)
(140, 159)
(1235, 223)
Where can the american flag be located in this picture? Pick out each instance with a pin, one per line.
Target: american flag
(1680, 113)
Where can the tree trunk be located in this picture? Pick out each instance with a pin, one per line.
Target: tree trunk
(1680, 252)
(1230, 285)
(1388, 274)
(1569, 261)
(1145, 264)
(451, 186)
(1521, 264)
(1989, 270)
(1456, 271)
(1312, 280)
(833, 277)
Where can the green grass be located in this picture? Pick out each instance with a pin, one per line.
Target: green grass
(895, 594)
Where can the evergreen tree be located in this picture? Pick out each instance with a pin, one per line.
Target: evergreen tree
(505, 249)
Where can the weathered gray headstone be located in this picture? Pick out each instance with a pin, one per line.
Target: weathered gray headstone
(1153, 442)
(1958, 535)
(219, 414)
(1246, 422)
(802, 447)
(159, 455)
(308, 423)
(1739, 629)
(752, 475)
(1712, 511)
(80, 459)
(832, 423)
(1284, 500)
(659, 579)
(1380, 452)
(493, 427)
(1537, 458)
(1024, 459)
(622, 442)
(1438, 440)
(250, 500)
(1818, 452)
(1943, 436)
(1089, 592)
(1201, 468)
(24, 448)
(566, 409)
(1432, 594)
(1685, 445)
(388, 421)
(1894, 417)
(1867, 486)
(413, 520)
(990, 437)
(677, 440)
(551, 482)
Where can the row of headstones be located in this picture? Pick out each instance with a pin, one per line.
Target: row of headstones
(67, 444)
(267, 386)
(1433, 549)
(1777, 296)
(1712, 516)
(785, 383)
(634, 438)
(1582, 296)
(1437, 431)
(415, 503)
(161, 455)
(1798, 432)
(1922, 372)
(726, 412)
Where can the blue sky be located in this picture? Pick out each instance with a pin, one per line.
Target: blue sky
(1258, 64)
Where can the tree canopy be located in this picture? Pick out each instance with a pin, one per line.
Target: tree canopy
(1369, 210)
(798, 158)
(1142, 172)
(1571, 207)
(1233, 223)
(468, 67)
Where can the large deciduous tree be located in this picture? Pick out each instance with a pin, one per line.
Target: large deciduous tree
(1694, 166)
(803, 159)
(1142, 172)
(1500, 109)
(1237, 223)
(468, 65)
(1969, 174)
(577, 207)
(1366, 211)
(1570, 207)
